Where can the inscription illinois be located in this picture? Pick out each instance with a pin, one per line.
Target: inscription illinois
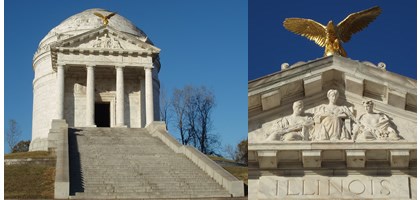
(333, 187)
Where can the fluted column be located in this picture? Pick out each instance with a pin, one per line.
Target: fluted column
(149, 95)
(60, 92)
(90, 96)
(120, 96)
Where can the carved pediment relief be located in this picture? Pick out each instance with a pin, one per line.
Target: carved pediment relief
(106, 38)
(333, 120)
(105, 41)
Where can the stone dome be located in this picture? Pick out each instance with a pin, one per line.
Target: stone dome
(85, 21)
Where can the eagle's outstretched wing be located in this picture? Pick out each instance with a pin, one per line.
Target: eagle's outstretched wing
(356, 22)
(308, 28)
(110, 15)
(99, 15)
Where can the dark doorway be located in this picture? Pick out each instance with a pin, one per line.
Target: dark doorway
(102, 114)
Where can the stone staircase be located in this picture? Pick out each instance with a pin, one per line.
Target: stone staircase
(130, 163)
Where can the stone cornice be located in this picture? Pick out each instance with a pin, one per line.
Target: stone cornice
(304, 80)
(351, 67)
(318, 155)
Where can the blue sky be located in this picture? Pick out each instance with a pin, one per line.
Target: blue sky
(202, 42)
(391, 38)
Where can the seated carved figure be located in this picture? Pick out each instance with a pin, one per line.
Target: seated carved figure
(329, 120)
(374, 126)
(293, 127)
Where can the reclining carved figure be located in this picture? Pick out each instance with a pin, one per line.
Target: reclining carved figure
(374, 126)
(293, 127)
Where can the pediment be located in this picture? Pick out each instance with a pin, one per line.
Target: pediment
(271, 98)
(106, 38)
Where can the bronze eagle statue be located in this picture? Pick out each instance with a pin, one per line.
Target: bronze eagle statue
(104, 18)
(331, 36)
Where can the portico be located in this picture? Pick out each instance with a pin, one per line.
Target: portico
(119, 93)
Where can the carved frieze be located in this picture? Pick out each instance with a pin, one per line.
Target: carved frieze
(105, 41)
(330, 122)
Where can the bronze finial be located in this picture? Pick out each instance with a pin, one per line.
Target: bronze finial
(331, 36)
(104, 18)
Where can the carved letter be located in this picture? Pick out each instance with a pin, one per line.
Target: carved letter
(385, 190)
(339, 189)
(371, 186)
(303, 189)
(288, 189)
(356, 190)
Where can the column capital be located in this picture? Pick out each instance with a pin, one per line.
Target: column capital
(90, 66)
(119, 66)
(61, 67)
(61, 64)
(150, 66)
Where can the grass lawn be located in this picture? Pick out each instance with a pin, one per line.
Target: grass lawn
(32, 154)
(240, 173)
(29, 181)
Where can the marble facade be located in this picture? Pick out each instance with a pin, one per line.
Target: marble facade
(332, 128)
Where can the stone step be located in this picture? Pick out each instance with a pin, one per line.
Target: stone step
(156, 179)
(131, 163)
(138, 195)
(150, 188)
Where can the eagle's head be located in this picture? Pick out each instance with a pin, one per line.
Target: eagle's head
(331, 28)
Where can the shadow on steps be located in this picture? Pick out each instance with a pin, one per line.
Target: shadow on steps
(76, 180)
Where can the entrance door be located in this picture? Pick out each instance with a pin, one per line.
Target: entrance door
(102, 114)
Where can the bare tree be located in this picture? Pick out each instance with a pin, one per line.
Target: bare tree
(178, 105)
(242, 152)
(239, 153)
(165, 105)
(230, 152)
(22, 146)
(205, 103)
(192, 110)
(13, 134)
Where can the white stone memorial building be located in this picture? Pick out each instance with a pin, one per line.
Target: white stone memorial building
(94, 75)
(332, 128)
(96, 108)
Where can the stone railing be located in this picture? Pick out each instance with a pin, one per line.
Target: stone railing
(220, 175)
(59, 145)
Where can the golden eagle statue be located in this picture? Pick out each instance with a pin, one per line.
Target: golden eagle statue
(331, 36)
(104, 18)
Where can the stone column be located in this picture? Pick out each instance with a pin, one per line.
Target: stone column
(90, 96)
(149, 95)
(120, 96)
(142, 103)
(60, 92)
